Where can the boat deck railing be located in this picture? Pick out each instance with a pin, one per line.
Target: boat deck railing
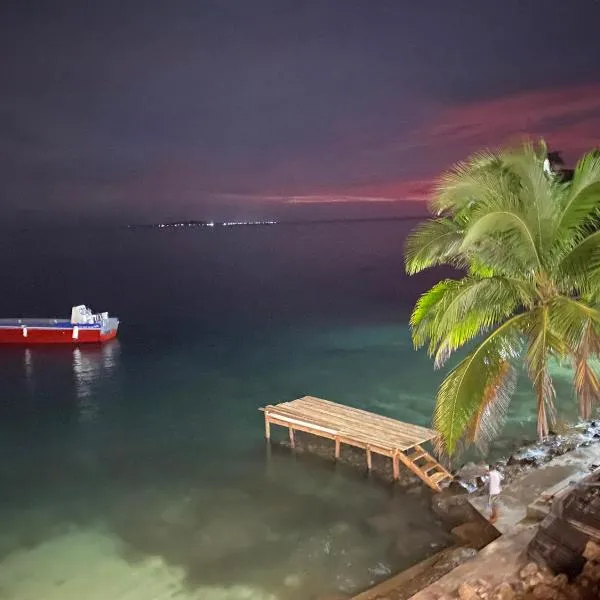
(34, 322)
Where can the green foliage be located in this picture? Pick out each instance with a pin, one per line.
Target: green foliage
(529, 247)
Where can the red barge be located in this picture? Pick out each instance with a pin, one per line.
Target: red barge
(84, 327)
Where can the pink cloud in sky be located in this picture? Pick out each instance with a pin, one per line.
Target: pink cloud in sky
(567, 118)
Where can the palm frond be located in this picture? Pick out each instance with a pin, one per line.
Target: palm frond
(488, 421)
(586, 380)
(462, 184)
(537, 191)
(543, 344)
(495, 256)
(582, 202)
(568, 320)
(578, 326)
(454, 312)
(515, 231)
(579, 269)
(423, 313)
(464, 390)
(431, 243)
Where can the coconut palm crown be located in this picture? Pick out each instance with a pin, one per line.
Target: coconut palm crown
(528, 246)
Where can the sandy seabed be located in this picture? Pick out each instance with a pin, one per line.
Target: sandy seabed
(86, 564)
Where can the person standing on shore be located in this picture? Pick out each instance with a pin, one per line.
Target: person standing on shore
(494, 489)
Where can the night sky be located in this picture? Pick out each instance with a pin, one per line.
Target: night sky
(120, 111)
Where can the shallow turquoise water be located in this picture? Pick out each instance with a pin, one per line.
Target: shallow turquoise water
(156, 438)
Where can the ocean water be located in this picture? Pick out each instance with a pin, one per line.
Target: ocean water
(138, 469)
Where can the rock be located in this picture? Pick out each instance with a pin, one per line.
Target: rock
(531, 582)
(529, 571)
(591, 571)
(515, 459)
(457, 487)
(467, 592)
(560, 581)
(453, 509)
(543, 591)
(592, 552)
(471, 476)
(504, 592)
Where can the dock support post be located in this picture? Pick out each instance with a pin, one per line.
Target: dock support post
(337, 448)
(396, 466)
(369, 464)
(292, 441)
(267, 427)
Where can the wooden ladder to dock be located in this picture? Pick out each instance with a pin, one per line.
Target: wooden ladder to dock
(424, 466)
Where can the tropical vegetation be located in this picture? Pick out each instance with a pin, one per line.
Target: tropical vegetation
(526, 247)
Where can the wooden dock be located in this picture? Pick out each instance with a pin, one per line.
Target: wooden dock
(373, 433)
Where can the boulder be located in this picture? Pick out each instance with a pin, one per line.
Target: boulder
(504, 591)
(591, 571)
(561, 581)
(467, 592)
(471, 476)
(592, 552)
(544, 591)
(453, 508)
(527, 460)
(529, 571)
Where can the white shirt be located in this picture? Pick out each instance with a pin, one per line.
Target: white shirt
(495, 479)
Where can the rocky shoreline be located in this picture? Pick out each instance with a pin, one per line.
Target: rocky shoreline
(529, 455)
(538, 583)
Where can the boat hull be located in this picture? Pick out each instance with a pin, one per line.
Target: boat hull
(28, 333)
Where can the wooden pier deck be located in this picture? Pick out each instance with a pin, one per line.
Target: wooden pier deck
(402, 442)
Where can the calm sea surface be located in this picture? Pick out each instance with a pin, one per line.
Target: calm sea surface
(138, 469)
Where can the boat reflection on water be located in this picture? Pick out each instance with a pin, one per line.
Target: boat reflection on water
(79, 371)
(90, 366)
(28, 365)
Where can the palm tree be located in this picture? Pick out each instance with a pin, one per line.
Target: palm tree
(528, 247)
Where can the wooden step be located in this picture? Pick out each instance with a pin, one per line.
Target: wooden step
(417, 455)
(440, 476)
(430, 471)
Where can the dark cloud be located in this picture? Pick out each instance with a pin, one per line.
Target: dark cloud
(148, 109)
